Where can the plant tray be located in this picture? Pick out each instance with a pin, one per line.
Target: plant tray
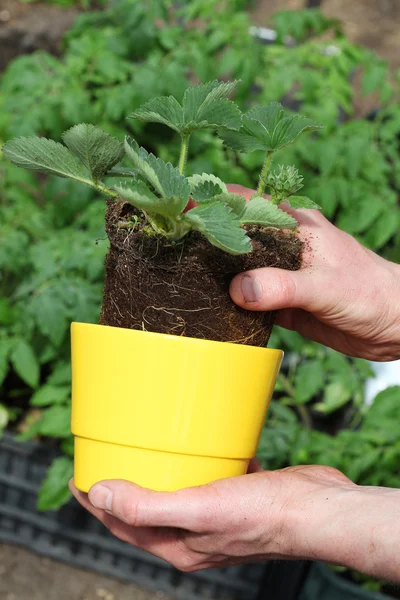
(75, 537)
(323, 584)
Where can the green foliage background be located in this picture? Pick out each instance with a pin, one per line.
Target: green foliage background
(52, 235)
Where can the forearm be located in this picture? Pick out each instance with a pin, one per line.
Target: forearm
(394, 308)
(357, 527)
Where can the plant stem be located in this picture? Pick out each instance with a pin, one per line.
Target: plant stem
(264, 174)
(304, 415)
(300, 408)
(102, 188)
(184, 152)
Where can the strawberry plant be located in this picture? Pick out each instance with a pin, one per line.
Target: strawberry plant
(148, 223)
(51, 264)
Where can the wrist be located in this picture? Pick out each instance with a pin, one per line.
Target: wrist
(352, 526)
(395, 272)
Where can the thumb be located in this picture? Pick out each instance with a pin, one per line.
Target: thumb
(273, 289)
(141, 507)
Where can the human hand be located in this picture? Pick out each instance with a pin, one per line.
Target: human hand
(344, 295)
(303, 512)
(230, 521)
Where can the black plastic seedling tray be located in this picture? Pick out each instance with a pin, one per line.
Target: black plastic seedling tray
(73, 536)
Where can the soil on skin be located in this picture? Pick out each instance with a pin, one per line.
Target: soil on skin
(183, 288)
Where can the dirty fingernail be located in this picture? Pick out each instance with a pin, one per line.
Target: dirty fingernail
(251, 289)
(101, 497)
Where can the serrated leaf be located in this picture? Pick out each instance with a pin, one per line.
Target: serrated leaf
(50, 394)
(260, 211)
(241, 141)
(166, 180)
(195, 179)
(138, 194)
(205, 191)
(236, 202)
(164, 109)
(45, 156)
(204, 106)
(302, 202)
(220, 226)
(54, 491)
(96, 149)
(267, 128)
(121, 172)
(199, 98)
(25, 363)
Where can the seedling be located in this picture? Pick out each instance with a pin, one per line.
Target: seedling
(161, 191)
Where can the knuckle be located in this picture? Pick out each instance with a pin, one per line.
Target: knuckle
(127, 511)
(285, 288)
(186, 564)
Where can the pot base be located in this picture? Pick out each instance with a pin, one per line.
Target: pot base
(161, 471)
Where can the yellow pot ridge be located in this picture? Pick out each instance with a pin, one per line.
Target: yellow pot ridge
(163, 411)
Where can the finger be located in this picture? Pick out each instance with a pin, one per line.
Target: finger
(273, 289)
(310, 327)
(165, 543)
(254, 466)
(140, 507)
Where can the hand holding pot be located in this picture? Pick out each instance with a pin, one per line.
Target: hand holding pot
(298, 512)
(344, 296)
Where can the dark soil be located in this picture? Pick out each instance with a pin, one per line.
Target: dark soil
(183, 288)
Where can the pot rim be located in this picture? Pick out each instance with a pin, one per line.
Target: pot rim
(179, 339)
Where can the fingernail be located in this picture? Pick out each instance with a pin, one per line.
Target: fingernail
(101, 497)
(251, 289)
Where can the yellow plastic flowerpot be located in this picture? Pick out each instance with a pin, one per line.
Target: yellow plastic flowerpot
(163, 411)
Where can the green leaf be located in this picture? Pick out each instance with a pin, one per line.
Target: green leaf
(205, 191)
(46, 156)
(25, 363)
(54, 491)
(60, 375)
(302, 202)
(220, 226)
(204, 106)
(236, 202)
(5, 348)
(260, 211)
(55, 422)
(309, 380)
(97, 150)
(138, 194)
(50, 314)
(205, 187)
(336, 394)
(267, 128)
(385, 406)
(121, 172)
(4, 418)
(196, 179)
(50, 394)
(6, 312)
(67, 446)
(165, 110)
(163, 177)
